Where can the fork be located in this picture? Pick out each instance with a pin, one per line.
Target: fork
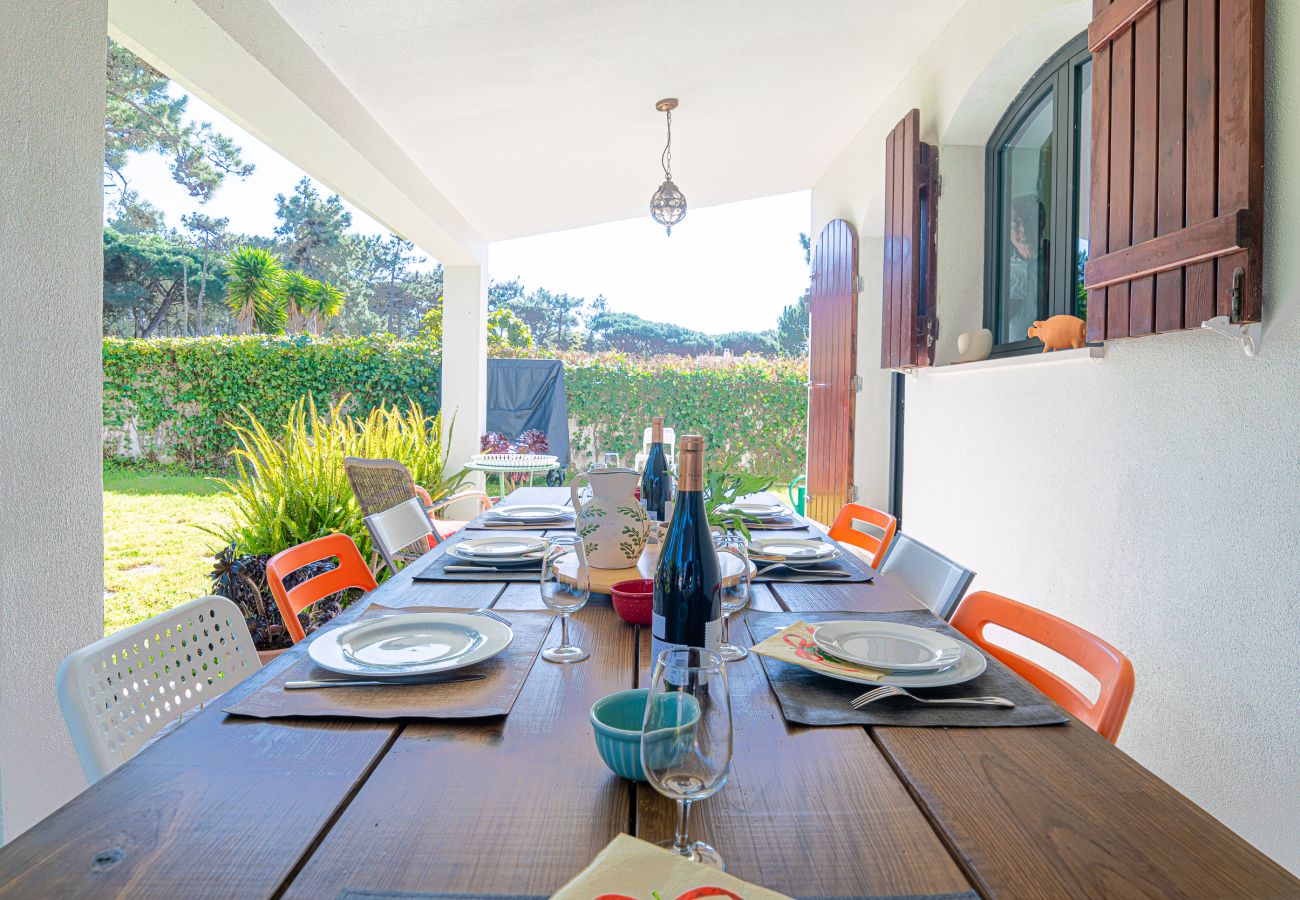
(485, 611)
(889, 690)
(820, 573)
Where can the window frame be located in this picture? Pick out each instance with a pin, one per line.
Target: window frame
(1057, 78)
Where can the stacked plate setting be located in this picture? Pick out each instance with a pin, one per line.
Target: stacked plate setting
(529, 515)
(409, 645)
(907, 655)
(499, 551)
(793, 552)
(765, 513)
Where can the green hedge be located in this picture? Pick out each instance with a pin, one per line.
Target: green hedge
(177, 397)
(754, 409)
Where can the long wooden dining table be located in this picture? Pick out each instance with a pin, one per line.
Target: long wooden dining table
(229, 807)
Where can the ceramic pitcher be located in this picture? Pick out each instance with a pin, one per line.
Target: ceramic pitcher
(612, 524)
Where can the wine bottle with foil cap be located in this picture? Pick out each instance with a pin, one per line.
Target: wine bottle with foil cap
(688, 579)
(656, 480)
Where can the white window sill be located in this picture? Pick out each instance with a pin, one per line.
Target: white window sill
(1028, 360)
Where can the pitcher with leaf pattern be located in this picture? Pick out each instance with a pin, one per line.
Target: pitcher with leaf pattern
(612, 524)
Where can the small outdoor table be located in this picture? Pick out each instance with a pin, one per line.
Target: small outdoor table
(501, 471)
(517, 805)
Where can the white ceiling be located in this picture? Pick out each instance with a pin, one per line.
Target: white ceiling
(533, 117)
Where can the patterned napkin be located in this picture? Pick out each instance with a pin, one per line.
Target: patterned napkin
(794, 644)
(634, 868)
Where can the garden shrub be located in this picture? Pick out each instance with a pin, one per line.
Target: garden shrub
(179, 397)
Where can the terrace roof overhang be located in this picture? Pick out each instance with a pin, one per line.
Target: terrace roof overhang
(465, 122)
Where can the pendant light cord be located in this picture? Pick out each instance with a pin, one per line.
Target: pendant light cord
(666, 158)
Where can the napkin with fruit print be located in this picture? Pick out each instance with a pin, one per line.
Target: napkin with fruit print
(631, 869)
(794, 644)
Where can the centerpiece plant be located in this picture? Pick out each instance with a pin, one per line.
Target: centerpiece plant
(289, 487)
(724, 483)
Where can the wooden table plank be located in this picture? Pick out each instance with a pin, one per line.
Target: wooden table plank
(806, 811)
(514, 805)
(1057, 811)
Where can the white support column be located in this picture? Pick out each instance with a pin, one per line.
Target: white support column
(464, 358)
(51, 492)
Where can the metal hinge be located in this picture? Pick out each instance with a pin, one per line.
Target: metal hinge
(855, 384)
(938, 185)
(853, 493)
(859, 284)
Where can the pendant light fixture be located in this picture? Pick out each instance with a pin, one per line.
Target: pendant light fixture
(668, 205)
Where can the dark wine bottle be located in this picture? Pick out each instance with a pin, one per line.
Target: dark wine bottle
(688, 580)
(656, 482)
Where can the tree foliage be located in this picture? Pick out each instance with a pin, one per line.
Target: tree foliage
(144, 277)
(142, 116)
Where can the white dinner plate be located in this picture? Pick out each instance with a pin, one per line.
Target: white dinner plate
(763, 511)
(530, 512)
(499, 547)
(408, 644)
(971, 665)
(792, 550)
(888, 646)
(497, 562)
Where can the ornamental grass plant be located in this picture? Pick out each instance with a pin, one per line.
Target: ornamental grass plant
(289, 486)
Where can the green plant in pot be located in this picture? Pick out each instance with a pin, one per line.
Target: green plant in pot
(724, 485)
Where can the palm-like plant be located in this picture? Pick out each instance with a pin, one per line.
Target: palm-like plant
(325, 302)
(296, 292)
(253, 278)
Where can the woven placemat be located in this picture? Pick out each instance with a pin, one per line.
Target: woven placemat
(493, 695)
(807, 698)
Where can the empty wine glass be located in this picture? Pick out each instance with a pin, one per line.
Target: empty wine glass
(686, 742)
(612, 459)
(733, 554)
(566, 585)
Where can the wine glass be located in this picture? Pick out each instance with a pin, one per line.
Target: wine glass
(566, 585)
(686, 742)
(612, 459)
(735, 595)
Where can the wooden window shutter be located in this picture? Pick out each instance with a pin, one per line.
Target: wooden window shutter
(908, 323)
(1177, 208)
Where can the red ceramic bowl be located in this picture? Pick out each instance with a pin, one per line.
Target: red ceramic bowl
(634, 600)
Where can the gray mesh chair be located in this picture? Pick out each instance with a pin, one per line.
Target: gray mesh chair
(926, 574)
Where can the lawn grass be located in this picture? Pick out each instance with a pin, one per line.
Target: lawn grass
(154, 556)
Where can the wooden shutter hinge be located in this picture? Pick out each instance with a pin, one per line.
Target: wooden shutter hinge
(855, 384)
(937, 180)
(1248, 333)
(853, 493)
(859, 284)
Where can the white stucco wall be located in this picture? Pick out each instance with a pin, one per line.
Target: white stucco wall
(51, 559)
(1153, 498)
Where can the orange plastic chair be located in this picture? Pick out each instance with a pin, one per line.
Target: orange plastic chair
(1098, 658)
(847, 530)
(351, 572)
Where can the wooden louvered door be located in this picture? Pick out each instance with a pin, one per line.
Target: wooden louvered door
(1178, 165)
(908, 322)
(832, 367)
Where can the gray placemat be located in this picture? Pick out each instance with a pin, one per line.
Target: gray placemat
(436, 570)
(857, 571)
(807, 698)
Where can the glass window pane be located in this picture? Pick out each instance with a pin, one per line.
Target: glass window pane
(1082, 182)
(1026, 214)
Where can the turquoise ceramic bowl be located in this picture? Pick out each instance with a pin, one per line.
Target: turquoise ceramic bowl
(617, 720)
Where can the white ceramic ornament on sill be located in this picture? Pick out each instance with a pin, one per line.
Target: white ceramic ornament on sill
(612, 523)
(973, 346)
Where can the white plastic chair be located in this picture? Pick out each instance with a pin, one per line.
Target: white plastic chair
(926, 574)
(120, 692)
(670, 447)
(397, 528)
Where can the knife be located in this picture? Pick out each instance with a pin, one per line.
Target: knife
(304, 685)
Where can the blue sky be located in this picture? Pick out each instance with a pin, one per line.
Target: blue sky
(725, 268)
